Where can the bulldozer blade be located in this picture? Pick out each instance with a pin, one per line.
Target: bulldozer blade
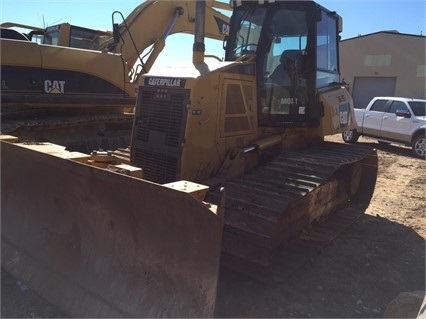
(97, 243)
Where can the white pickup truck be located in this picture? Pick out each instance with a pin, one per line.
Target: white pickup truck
(392, 120)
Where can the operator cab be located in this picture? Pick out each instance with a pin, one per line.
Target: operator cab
(73, 36)
(295, 44)
(6, 33)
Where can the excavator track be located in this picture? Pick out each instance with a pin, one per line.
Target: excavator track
(270, 206)
(77, 132)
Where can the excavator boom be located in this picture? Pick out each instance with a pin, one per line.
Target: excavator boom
(141, 27)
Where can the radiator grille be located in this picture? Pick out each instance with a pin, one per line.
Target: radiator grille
(159, 132)
(157, 167)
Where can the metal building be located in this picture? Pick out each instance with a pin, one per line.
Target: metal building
(386, 63)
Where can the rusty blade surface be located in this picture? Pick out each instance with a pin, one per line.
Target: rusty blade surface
(100, 244)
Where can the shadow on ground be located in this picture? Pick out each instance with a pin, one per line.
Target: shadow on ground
(399, 150)
(356, 275)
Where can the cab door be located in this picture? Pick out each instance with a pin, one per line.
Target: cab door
(373, 117)
(395, 127)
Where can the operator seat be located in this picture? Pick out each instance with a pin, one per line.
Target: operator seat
(282, 97)
(280, 75)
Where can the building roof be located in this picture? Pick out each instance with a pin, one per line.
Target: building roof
(392, 32)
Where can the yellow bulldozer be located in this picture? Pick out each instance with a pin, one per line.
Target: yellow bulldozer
(227, 163)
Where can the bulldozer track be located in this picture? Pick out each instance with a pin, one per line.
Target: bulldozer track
(270, 206)
(271, 230)
(300, 252)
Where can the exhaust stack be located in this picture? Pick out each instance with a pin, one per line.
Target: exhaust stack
(199, 47)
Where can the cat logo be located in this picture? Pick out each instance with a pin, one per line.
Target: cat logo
(344, 114)
(54, 87)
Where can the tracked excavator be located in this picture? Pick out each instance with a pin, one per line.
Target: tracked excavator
(77, 86)
(227, 164)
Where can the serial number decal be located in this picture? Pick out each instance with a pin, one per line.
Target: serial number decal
(168, 82)
(289, 100)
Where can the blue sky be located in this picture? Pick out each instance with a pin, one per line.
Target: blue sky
(359, 17)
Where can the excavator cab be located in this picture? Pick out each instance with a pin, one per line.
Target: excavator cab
(295, 44)
(68, 35)
(63, 34)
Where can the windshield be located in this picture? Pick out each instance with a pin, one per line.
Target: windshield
(87, 38)
(289, 32)
(75, 37)
(418, 107)
(51, 35)
(247, 30)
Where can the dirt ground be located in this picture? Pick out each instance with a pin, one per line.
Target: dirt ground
(356, 276)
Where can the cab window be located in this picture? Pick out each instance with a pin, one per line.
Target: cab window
(327, 60)
(379, 106)
(397, 106)
(51, 37)
(248, 33)
(418, 107)
(86, 38)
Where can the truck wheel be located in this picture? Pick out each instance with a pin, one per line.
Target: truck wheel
(419, 146)
(350, 136)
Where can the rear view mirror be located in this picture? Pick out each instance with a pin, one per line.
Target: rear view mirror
(403, 113)
(116, 33)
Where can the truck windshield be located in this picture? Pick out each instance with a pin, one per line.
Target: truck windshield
(418, 107)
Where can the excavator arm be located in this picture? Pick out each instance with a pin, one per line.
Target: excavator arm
(151, 22)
